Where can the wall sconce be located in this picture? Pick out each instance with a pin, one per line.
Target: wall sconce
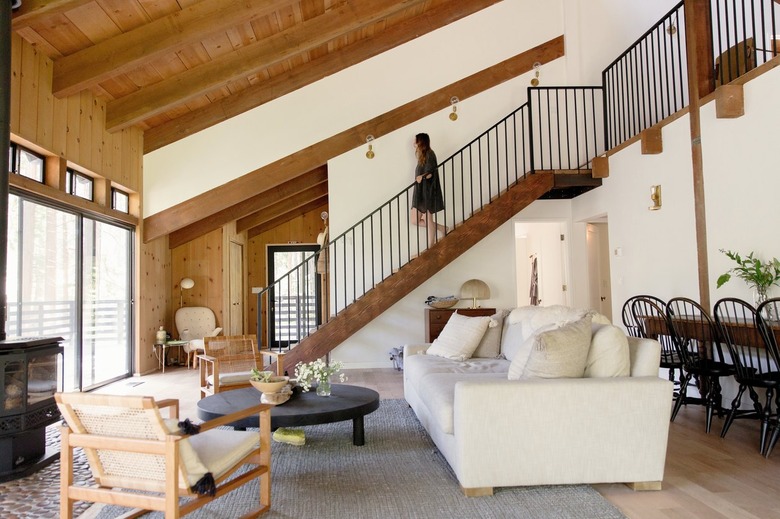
(671, 30)
(655, 197)
(454, 102)
(370, 152)
(184, 284)
(535, 79)
(474, 289)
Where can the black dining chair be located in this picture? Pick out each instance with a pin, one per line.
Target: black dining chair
(699, 346)
(632, 327)
(755, 365)
(649, 314)
(768, 320)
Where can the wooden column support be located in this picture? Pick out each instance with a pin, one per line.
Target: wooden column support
(729, 101)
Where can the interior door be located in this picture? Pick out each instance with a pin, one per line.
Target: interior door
(236, 289)
(295, 307)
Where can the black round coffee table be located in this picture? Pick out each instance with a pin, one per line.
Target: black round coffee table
(344, 403)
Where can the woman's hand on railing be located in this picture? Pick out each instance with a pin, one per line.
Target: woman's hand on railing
(418, 178)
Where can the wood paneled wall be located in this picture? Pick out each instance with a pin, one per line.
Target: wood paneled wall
(303, 229)
(73, 128)
(201, 260)
(153, 272)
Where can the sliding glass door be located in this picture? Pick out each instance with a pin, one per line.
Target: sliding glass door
(69, 275)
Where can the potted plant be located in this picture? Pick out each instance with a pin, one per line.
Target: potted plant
(759, 275)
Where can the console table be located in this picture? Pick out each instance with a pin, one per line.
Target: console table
(436, 318)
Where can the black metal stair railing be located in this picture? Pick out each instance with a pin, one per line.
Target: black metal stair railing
(559, 128)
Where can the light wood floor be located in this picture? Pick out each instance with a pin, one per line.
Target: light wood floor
(706, 476)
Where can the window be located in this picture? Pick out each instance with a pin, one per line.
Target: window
(26, 163)
(120, 200)
(79, 184)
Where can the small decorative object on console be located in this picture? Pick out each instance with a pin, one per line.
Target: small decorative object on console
(267, 382)
(441, 302)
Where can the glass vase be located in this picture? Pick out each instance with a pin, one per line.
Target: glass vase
(323, 387)
(759, 296)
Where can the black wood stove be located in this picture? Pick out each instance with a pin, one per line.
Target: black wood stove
(30, 374)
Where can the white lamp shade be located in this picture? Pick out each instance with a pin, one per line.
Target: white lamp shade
(186, 283)
(474, 289)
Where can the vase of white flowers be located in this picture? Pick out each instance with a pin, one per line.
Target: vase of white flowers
(318, 372)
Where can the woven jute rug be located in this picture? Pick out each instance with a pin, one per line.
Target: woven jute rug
(398, 473)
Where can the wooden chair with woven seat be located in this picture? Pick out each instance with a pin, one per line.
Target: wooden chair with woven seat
(756, 366)
(227, 363)
(699, 346)
(145, 462)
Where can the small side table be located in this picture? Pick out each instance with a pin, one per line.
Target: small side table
(161, 350)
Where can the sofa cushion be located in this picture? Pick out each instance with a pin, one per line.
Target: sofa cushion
(460, 337)
(522, 322)
(438, 393)
(561, 353)
(490, 345)
(608, 355)
(520, 359)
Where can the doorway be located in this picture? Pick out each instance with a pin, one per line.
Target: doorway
(295, 302)
(597, 238)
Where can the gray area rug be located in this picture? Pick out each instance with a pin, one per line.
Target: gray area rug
(398, 473)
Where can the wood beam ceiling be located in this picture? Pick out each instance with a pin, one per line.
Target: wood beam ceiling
(286, 217)
(213, 113)
(185, 86)
(255, 203)
(128, 50)
(276, 173)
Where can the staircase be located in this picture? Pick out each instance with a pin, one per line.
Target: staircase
(555, 136)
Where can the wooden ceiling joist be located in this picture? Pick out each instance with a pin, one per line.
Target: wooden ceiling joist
(163, 95)
(284, 218)
(282, 207)
(213, 113)
(32, 11)
(128, 50)
(241, 188)
(267, 197)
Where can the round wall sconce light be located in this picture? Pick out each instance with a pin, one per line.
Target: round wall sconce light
(370, 152)
(535, 79)
(454, 102)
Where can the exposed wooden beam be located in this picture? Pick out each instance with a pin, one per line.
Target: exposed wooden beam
(126, 51)
(286, 217)
(33, 11)
(356, 315)
(241, 188)
(213, 113)
(282, 207)
(161, 96)
(263, 199)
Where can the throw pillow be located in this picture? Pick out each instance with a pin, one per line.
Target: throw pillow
(490, 345)
(460, 337)
(561, 353)
(608, 355)
(521, 354)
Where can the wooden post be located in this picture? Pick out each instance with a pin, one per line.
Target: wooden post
(697, 23)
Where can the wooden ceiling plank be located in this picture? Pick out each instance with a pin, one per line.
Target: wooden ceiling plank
(281, 207)
(35, 11)
(259, 201)
(157, 98)
(284, 218)
(125, 51)
(265, 91)
(241, 188)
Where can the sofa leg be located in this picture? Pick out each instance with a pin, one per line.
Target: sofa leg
(478, 491)
(644, 485)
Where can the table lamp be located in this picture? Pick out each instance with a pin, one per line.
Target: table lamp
(474, 289)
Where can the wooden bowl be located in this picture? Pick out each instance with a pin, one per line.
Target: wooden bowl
(274, 385)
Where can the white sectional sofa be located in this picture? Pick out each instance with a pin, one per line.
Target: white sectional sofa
(528, 407)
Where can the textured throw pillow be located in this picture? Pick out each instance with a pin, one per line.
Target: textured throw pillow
(608, 355)
(521, 354)
(460, 337)
(490, 345)
(561, 353)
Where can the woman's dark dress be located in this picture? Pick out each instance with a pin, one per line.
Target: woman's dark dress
(427, 197)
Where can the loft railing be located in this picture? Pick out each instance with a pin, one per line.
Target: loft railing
(567, 127)
(649, 81)
(559, 128)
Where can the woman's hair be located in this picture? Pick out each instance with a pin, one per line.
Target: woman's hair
(424, 142)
